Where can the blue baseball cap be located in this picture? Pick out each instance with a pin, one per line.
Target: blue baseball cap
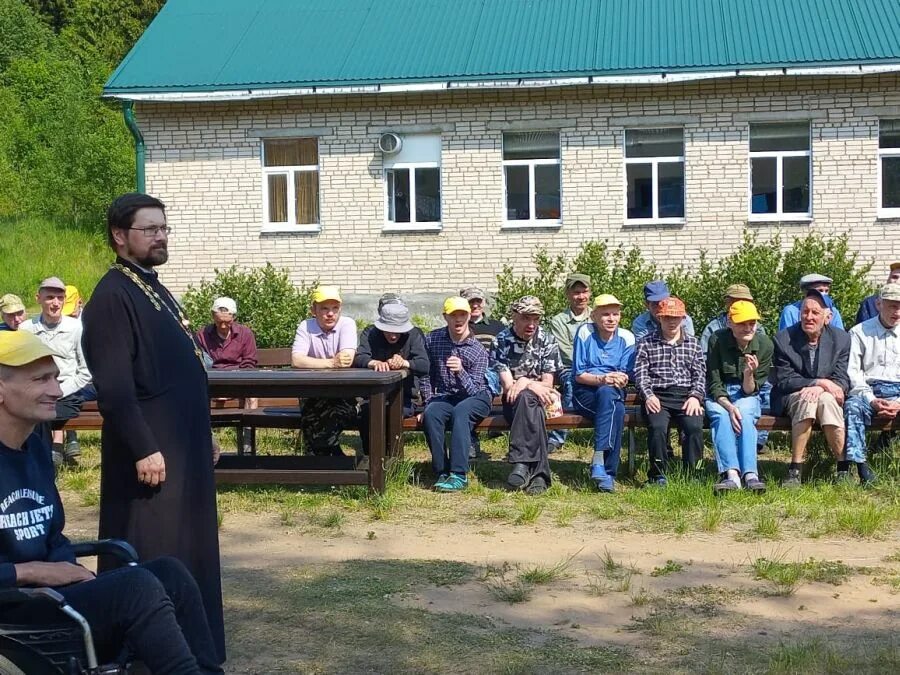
(818, 295)
(656, 291)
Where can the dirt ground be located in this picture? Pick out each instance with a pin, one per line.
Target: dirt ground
(644, 602)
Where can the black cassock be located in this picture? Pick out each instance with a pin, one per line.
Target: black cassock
(152, 392)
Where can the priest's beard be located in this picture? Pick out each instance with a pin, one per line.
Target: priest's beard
(153, 257)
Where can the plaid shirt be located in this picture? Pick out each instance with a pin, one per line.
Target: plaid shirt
(660, 365)
(440, 381)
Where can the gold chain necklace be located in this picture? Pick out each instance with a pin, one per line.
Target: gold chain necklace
(158, 303)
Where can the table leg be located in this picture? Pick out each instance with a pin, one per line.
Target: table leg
(377, 438)
(239, 435)
(394, 413)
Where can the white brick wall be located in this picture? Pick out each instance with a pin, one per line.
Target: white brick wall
(204, 166)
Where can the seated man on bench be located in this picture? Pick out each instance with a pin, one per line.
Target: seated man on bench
(810, 381)
(527, 359)
(153, 609)
(602, 363)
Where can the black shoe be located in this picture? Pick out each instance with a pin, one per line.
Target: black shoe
(553, 447)
(72, 452)
(762, 449)
(519, 476)
(537, 486)
(866, 475)
(793, 479)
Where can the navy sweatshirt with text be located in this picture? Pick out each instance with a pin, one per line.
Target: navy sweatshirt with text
(31, 514)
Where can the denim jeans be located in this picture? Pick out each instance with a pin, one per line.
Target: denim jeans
(858, 415)
(461, 413)
(606, 404)
(765, 395)
(155, 610)
(735, 451)
(558, 436)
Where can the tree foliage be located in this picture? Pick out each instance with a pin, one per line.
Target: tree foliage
(770, 271)
(64, 152)
(267, 302)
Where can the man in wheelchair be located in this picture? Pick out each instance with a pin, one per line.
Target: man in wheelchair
(153, 610)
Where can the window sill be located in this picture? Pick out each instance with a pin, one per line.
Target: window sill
(413, 227)
(284, 228)
(779, 218)
(548, 224)
(888, 214)
(632, 222)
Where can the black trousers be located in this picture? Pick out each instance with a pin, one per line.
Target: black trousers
(154, 610)
(691, 427)
(528, 433)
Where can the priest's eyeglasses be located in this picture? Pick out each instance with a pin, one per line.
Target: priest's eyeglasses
(153, 232)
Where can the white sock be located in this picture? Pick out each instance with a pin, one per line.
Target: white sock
(749, 475)
(734, 477)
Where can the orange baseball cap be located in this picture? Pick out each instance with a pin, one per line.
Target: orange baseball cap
(671, 306)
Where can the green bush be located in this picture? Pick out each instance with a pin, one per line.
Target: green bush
(771, 273)
(267, 302)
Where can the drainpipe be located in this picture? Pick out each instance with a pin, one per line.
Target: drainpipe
(139, 150)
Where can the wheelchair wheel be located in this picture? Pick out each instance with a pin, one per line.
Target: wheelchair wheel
(12, 663)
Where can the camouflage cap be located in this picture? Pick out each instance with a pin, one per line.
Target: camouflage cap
(472, 293)
(528, 304)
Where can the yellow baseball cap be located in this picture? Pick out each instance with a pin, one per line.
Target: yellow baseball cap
(73, 297)
(323, 293)
(456, 304)
(742, 310)
(605, 299)
(19, 347)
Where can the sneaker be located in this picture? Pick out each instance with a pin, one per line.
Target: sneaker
(725, 485)
(842, 477)
(519, 476)
(72, 451)
(866, 475)
(793, 480)
(762, 449)
(606, 484)
(58, 459)
(754, 484)
(598, 472)
(537, 486)
(553, 447)
(658, 481)
(442, 477)
(453, 483)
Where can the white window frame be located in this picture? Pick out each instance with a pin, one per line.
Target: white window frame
(882, 153)
(654, 162)
(291, 225)
(779, 155)
(532, 222)
(412, 225)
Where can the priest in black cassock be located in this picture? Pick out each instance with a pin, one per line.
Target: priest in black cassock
(157, 488)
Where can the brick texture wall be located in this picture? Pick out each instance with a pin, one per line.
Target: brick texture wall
(204, 162)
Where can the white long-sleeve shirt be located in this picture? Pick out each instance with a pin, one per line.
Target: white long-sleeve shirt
(874, 355)
(65, 339)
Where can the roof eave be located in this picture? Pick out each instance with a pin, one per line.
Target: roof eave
(245, 92)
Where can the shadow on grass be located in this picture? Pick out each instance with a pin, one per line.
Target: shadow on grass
(345, 617)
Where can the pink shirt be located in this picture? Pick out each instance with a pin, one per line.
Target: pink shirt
(311, 340)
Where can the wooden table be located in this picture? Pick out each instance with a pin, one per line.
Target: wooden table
(385, 394)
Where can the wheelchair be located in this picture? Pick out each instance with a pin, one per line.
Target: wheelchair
(61, 645)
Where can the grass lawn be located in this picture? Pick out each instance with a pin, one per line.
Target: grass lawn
(33, 249)
(335, 580)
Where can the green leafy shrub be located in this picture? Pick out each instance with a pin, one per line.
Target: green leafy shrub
(267, 302)
(771, 273)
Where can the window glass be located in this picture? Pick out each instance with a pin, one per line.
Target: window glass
(654, 143)
(671, 189)
(517, 193)
(546, 191)
(531, 145)
(779, 136)
(306, 197)
(398, 195)
(764, 179)
(428, 195)
(278, 200)
(889, 134)
(291, 152)
(795, 177)
(890, 182)
(640, 190)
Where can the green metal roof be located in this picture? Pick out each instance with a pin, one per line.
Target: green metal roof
(220, 45)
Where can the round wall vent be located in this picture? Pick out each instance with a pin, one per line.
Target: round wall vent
(390, 143)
